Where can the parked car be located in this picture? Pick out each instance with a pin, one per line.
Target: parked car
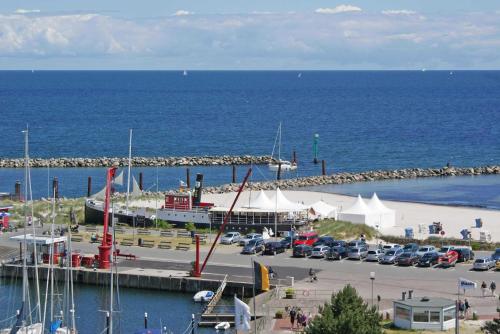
(302, 251)
(425, 249)
(325, 240)
(337, 243)
(407, 259)
(230, 238)
(254, 246)
(286, 242)
(497, 266)
(445, 249)
(390, 256)
(496, 255)
(357, 253)
(248, 237)
(336, 253)
(356, 243)
(387, 247)
(464, 254)
(274, 247)
(308, 238)
(319, 251)
(449, 259)
(374, 254)
(485, 263)
(429, 259)
(411, 247)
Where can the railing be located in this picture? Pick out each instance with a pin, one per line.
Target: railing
(218, 294)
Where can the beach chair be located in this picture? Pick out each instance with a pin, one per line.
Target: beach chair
(479, 223)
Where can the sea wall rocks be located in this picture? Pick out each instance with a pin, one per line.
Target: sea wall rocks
(342, 178)
(136, 161)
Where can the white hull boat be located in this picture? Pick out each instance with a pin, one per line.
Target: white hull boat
(286, 166)
(203, 296)
(31, 329)
(222, 325)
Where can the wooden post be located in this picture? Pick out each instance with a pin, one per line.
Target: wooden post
(89, 186)
(234, 174)
(188, 179)
(294, 160)
(323, 167)
(278, 175)
(17, 191)
(140, 181)
(55, 187)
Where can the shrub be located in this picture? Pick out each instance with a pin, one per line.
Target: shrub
(163, 224)
(289, 293)
(279, 314)
(491, 327)
(190, 227)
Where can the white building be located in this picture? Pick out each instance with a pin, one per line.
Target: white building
(425, 313)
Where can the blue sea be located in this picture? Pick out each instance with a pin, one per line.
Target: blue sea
(365, 120)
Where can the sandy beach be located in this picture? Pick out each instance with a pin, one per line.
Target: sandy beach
(454, 219)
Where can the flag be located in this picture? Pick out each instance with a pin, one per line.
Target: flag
(465, 284)
(241, 315)
(261, 276)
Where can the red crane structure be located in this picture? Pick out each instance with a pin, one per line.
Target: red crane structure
(197, 270)
(105, 247)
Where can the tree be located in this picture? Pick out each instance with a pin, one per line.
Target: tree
(492, 327)
(346, 313)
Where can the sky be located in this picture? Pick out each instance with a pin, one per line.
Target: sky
(257, 34)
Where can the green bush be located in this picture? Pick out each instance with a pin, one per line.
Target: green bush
(278, 314)
(190, 227)
(163, 224)
(289, 293)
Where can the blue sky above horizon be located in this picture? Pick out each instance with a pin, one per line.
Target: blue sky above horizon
(237, 34)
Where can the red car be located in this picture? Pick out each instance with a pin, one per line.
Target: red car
(449, 259)
(306, 239)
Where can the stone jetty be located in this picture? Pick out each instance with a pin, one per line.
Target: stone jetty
(223, 160)
(343, 178)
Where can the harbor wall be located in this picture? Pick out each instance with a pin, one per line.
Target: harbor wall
(136, 161)
(136, 281)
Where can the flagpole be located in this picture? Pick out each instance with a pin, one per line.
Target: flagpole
(254, 308)
(457, 323)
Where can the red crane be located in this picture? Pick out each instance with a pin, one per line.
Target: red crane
(105, 247)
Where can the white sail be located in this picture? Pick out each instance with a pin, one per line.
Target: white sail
(100, 195)
(136, 190)
(119, 179)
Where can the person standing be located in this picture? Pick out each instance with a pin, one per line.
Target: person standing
(467, 307)
(483, 288)
(293, 313)
(493, 287)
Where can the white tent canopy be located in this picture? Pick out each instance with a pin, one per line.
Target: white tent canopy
(322, 210)
(374, 214)
(260, 202)
(281, 203)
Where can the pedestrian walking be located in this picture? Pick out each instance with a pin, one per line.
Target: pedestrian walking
(293, 313)
(483, 288)
(299, 319)
(461, 309)
(312, 275)
(493, 287)
(271, 272)
(467, 307)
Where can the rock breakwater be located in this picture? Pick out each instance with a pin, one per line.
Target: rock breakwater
(137, 161)
(342, 178)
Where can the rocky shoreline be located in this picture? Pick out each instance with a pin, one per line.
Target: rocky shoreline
(136, 161)
(342, 178)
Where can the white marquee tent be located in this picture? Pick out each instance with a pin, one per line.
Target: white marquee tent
(260, 202)
(359, 213)
(281, 203)
(386, 216)
(322, 210)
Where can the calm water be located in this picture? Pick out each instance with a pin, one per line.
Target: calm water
(167, 309)
(366, 120)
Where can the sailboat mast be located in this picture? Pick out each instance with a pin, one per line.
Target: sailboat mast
(71, 292)
(51, 253)
(25, 248)
(111, 297)
(279, 145)
(129, 166)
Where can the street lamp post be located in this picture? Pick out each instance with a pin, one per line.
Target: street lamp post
(372, 278)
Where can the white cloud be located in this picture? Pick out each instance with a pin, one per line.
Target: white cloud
(182, 12)
(338, 9)
(398, 12)
(26, 11)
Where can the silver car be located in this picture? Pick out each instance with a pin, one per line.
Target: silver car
(425, 249)
(374, 255)
(244, 241)
(357, 253)
(485, 263)
(230, 238)
(320, 251)
(390, 256)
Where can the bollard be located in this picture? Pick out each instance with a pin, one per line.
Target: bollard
(55, 188)
(294, 160)
(323, 167)
(140, 181)
(108, 330)
(89, 186)
(315, 148)
(188, 179)
(17, 191)
(234, 174)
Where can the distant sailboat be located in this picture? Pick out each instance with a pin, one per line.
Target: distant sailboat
(299, 75)
(284, 165)
(185, 73)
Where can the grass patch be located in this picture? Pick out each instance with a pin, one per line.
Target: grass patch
(343, 230)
